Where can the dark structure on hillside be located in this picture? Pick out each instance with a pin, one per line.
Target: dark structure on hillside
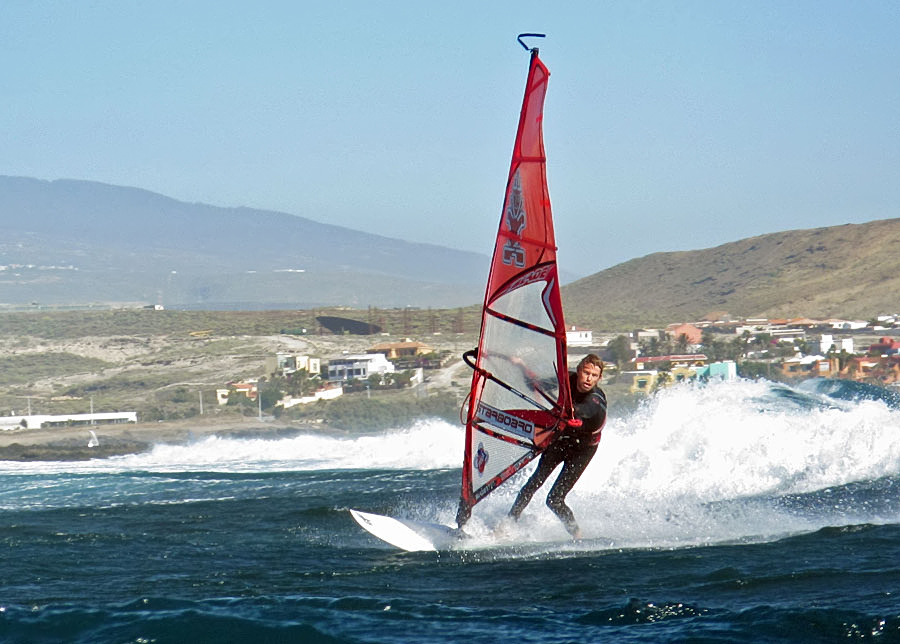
(341, 326)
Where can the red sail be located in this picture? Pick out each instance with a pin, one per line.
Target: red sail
(520, 387)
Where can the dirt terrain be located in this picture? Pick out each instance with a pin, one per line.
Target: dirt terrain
(135, 369)
(172, 376)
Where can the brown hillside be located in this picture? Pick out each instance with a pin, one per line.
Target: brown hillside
(840, 271)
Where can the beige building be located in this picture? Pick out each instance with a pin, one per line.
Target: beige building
(287, 363)
(406, 349)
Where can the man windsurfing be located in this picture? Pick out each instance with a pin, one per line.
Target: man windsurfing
(574, 447)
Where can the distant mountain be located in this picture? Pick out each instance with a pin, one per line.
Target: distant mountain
(850, 271)
(79, 242)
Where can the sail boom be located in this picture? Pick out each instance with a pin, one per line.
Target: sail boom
(525, 397)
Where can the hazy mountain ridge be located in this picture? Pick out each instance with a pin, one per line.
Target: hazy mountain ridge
(851, 270)
(131, 244)
(96, 243)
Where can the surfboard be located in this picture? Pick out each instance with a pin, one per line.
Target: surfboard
(409, 535)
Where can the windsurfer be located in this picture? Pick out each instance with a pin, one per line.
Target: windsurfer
(574, 448)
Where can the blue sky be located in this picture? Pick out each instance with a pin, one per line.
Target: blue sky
(668, 125)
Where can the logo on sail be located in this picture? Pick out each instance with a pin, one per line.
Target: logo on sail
(502, 420)
(481, 458)
(515, 218)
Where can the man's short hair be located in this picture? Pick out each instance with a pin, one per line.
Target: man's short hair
(594, 359)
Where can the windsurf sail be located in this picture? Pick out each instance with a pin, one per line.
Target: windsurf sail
(520, 394)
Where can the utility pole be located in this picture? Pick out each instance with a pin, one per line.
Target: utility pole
(28, 398)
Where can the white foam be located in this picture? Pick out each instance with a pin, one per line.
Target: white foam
(726, 441)
(428, 445)
(694, 464)
(708, 463)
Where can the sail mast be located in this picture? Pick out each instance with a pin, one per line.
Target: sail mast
(519, 397)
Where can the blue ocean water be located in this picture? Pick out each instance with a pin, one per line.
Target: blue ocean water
(731, 512)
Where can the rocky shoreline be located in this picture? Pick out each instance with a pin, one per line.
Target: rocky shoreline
(74, 443)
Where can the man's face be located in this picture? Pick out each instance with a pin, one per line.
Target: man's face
(587, 376)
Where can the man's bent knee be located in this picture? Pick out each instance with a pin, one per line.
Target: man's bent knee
(559, 507)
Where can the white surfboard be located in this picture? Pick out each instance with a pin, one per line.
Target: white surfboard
(412, 536)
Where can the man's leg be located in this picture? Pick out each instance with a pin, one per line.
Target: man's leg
(549, 460)
(573, 468)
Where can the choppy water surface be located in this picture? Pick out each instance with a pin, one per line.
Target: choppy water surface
(732, 512)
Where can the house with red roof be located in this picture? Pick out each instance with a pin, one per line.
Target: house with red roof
(885, 347)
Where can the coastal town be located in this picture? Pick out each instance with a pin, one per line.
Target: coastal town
(643, 360)
(639, 362)
(778, 349)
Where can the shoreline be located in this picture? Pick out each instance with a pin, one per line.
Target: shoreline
(72, 443)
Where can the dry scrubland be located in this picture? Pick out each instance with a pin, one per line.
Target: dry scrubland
(160, 364)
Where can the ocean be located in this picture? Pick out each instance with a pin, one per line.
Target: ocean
(727, 512)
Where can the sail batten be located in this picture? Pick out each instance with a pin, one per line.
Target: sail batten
(519, 397)
(537, 243)
(530, 327)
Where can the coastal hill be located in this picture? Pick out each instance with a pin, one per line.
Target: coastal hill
(82, 244)
(850, 271)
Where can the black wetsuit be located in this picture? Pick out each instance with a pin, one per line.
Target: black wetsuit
(574, 448)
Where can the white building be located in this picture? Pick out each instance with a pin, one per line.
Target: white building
(647, 334)
(578, 337)
(841, 344)
(326, 393)
(36, 421)
(848, 325)
(359, 366)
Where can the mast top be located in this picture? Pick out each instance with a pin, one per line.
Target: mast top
(533, 50)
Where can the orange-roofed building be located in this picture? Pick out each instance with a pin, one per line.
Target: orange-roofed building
(692, 333)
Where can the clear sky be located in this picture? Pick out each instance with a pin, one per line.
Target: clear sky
(668, 125)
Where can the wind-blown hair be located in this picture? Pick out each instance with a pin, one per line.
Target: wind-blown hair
(594, 359)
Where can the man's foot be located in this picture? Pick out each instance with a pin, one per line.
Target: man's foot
(573, 529)
(502, 529)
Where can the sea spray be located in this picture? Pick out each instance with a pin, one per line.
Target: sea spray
(428, 444)
(694, 463)
(707, 463)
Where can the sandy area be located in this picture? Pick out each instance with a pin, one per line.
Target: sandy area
(72, 443)
(207, 362)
